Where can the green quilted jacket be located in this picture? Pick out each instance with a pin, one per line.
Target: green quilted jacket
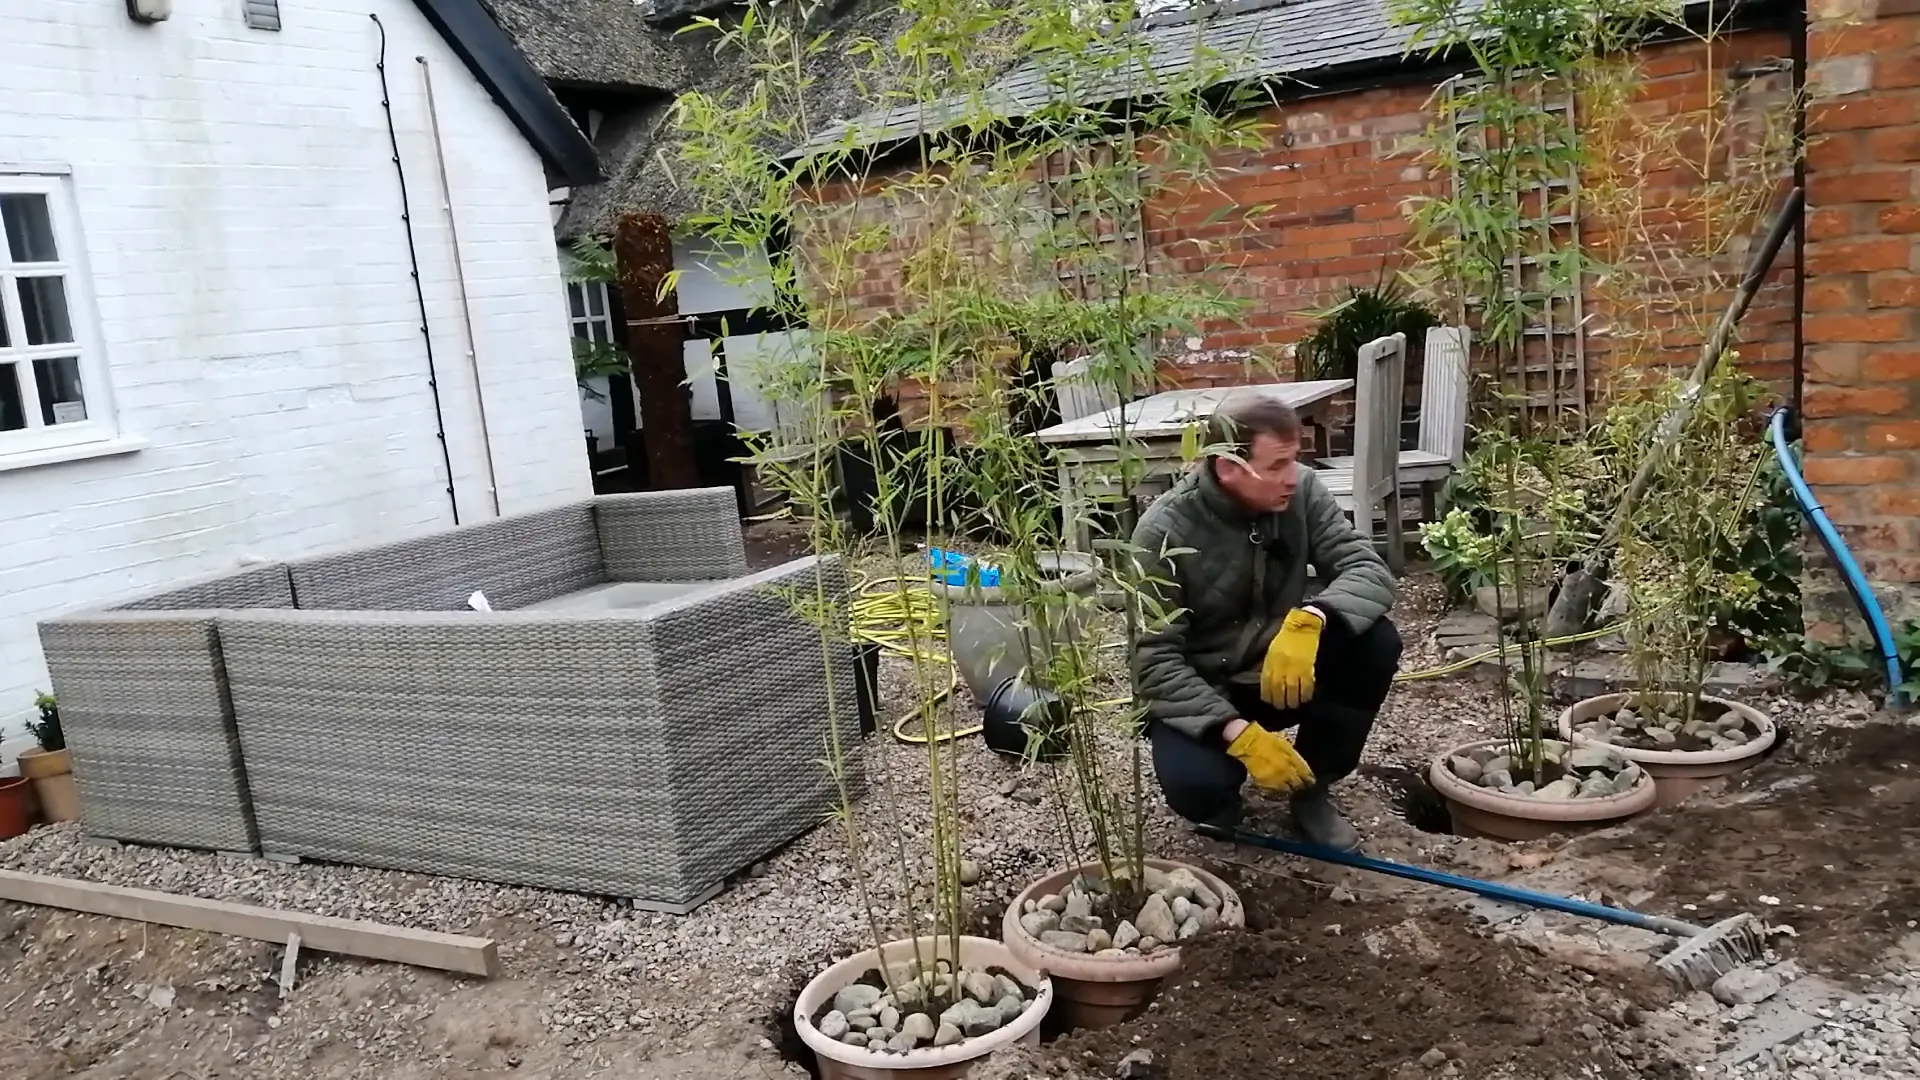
(1222, 599)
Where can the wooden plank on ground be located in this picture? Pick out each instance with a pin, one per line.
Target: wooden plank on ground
(348, 937)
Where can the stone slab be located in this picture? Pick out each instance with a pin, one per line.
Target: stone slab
(1785, 1017)
(1612, 674)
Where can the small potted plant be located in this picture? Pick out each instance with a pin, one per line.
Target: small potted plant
(50, 767)
(1687, 585)
(1525, 784)
(1524, 789)
(16, 806)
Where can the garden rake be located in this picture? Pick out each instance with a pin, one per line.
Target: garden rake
(1703, 954)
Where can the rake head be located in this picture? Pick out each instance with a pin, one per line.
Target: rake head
(1698, 961)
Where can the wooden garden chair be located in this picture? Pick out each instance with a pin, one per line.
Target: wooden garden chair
(1443, 420)
(1369, 488)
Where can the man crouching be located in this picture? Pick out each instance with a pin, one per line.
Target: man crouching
(1237, 653)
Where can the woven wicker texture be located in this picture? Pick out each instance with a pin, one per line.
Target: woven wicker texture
(258, 587)
(691, 535)
(144, 706)
(578, 752)
(742, 707)
(515, 561)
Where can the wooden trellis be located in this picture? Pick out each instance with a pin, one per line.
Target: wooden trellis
(1081, 221)
(1549, 372)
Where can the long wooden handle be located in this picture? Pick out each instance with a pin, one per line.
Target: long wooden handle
(1676, 420)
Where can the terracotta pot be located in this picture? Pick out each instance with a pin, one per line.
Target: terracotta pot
(1479, 811)
(52, 774)
(1676, 773)
(1100, 991)
(15, 806)
(838, 1061)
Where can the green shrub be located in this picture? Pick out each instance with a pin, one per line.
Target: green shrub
(47, 728)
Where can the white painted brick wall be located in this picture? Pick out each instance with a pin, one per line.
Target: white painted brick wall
(242, 221)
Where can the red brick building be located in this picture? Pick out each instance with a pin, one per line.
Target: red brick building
(1834, 330)
(1860, 373)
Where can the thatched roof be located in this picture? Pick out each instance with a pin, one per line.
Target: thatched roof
(638, 148)
(592, 43)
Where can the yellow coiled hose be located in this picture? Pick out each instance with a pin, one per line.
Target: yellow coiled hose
(896, 616)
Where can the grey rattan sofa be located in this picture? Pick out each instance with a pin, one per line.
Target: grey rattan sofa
(638, 716)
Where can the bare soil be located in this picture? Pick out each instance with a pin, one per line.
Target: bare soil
(1828, 827)
(1823, 837)
(1357, 992)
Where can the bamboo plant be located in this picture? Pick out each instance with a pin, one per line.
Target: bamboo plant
(1661, 256)
(979, 309)
(1512, 154)
(1116, 136)
(1675, 249)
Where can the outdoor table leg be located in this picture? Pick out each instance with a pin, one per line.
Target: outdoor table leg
(1073, 518)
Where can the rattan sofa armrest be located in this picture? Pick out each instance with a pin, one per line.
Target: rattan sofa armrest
(145, 705)
(690, 535)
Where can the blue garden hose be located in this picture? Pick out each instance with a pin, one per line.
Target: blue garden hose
(1837, 549)
(1492, 890)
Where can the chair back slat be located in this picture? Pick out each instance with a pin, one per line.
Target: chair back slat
(1077, 393)
(1378, 394)
(1443, 393)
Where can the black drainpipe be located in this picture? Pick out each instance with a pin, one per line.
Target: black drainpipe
(413, 255)
(1797, 44)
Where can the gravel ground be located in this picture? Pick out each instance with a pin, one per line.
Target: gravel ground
(592, 987)
(1876, 1035)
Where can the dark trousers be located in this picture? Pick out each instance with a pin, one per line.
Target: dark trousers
(1352, 674)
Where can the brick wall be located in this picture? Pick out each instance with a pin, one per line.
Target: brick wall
(253, 299)
(1862, 420)
(1707, 208)
(1332, 187)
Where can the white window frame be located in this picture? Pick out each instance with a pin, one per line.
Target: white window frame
(100, 426)
(583, 326)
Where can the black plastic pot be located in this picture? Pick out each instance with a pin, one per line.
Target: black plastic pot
(1020, 721)
(866, 674)
(905, 459)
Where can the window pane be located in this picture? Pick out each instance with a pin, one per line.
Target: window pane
(60, 399)
(576, 300)
(12, 416)
(596, 300)
(29, 228)
(43, 304)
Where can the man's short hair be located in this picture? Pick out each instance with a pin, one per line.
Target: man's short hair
(1245, 415)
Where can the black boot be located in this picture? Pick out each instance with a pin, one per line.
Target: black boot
(1319, 821)
(1228, 819)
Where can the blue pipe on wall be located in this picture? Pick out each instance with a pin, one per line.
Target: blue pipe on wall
(1837, 549)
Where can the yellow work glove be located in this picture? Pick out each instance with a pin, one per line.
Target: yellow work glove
(1271, 761)
(1286, 678)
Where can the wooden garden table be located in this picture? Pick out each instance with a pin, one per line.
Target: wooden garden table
(1089, 460)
